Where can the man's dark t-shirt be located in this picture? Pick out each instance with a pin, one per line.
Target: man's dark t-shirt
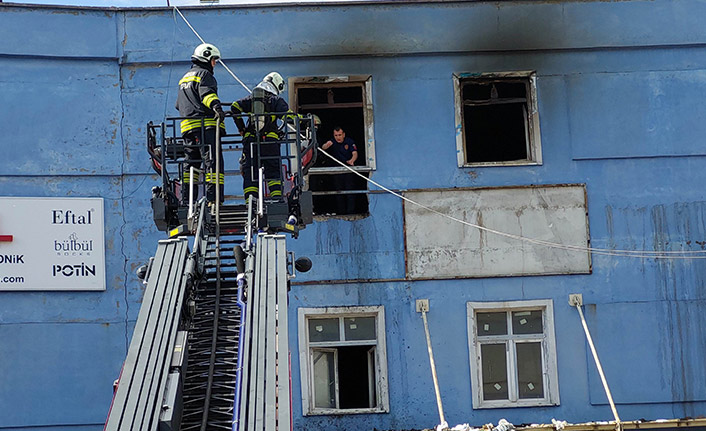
(344, 150)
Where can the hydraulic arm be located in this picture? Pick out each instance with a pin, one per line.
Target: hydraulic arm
(210, 346)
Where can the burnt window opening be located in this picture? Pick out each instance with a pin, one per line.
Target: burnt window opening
(499, 120)
(337, 105)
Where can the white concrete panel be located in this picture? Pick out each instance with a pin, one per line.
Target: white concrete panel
(438, 247)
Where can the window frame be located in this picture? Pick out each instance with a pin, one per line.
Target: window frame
(548, 346)
(368, 122)
(534, 146)
(306, 365)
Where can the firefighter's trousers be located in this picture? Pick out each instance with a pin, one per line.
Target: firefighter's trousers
(269, 158)
(200, 152)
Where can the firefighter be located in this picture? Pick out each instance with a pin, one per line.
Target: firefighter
(198, 102)
(266, 127)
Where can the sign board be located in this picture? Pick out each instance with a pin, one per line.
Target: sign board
(438, 247)
(51, 244)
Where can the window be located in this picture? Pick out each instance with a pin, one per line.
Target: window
(343, 360)
(512, 354)
(497, 121)
(346, 102)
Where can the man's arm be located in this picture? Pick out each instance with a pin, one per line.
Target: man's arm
(353, 159)
(327, 145)
(208, 92)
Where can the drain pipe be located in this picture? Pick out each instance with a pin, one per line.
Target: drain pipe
(422, 306)
(576, 300)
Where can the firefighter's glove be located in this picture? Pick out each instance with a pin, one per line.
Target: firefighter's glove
(241, 162)
(219, 114)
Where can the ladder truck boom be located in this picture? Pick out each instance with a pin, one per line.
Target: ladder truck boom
(210, 345)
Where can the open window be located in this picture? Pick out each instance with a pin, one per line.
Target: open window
(345, 102)
(512, 354)
(343, 360)
(497, 119)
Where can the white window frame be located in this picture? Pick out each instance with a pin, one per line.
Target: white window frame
(534, 140)
(548, 344)
(306, 365)
(367, 81)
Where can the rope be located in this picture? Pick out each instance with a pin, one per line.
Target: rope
(219, 61)
(576, 248)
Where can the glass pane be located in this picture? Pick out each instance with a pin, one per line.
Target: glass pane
(372, 398)
(324, 379)
(323, 329)
(359, 328)
(529, 370)
(527, 322)
(494, 363)
(492, 323)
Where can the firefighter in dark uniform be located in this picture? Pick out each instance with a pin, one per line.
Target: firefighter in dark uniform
(273, 86)
(198, 102)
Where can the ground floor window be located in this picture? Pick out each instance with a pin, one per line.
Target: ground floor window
(343, 360)
(512, 354)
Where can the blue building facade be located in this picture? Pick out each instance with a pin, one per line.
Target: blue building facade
(613, 121)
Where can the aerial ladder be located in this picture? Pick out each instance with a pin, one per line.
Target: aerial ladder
(210, 346)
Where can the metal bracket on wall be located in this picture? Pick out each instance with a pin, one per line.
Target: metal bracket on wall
(575, 299)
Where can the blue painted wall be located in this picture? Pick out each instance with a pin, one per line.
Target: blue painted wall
(620, 89)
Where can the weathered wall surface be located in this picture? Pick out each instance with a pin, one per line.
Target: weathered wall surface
(620, 91)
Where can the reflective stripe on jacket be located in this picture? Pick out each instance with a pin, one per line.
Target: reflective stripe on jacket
(198, 91)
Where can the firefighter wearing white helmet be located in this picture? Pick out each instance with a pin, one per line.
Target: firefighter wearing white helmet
(270, 88)
(197, 101)
(276, 80)
(205, 53)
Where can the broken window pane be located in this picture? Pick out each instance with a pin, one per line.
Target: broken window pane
(529, 370)
(323, 330)
(359, 328)
(354, 377)
(492, 323)
(324, 378)
(495, 133)
(344, 372)
(527, 322)
(494, 363)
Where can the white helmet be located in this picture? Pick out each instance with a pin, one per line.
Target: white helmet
(205, 52)
(276, 80)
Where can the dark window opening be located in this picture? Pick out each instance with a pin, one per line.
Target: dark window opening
(356, 378)
(495, 120)
(336, 105)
